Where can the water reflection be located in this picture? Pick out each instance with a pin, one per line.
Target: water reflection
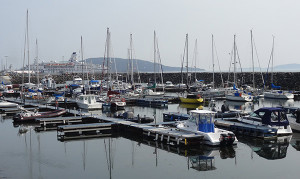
(201, 157)
(266, 102)
(295, 141)
(190, 106)
(238, 105)
(268, 149)
(206, 161)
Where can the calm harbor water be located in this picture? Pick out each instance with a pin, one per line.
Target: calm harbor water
(41, 155)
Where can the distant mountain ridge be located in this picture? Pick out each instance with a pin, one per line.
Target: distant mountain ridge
(139, 65)
(292, 67)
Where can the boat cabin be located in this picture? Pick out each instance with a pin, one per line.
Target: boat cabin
(204, 120)
(87, 99)
(270, 116)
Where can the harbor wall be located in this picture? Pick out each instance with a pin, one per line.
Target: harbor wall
(287, 80)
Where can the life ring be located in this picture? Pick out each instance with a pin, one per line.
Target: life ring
(123, 99)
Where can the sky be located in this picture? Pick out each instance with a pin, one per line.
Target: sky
(58, 25)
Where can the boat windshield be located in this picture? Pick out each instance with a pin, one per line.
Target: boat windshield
(203, 118)
(259, 115)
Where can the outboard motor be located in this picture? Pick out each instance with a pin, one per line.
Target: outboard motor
(227, 139)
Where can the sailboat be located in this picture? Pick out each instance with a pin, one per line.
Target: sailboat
(237, 95)
(149, 92)
(87, 101)
(189, 98)
(214, 92)
(276, 92)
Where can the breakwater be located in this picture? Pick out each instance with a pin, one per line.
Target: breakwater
(287, 80)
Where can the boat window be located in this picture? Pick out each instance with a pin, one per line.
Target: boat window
(254, 115)
(261, 114)
(193, 118)
(274, 116)
(282, 117)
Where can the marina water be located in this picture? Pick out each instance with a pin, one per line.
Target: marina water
(41, 155)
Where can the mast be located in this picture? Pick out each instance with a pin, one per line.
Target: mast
(154, 59)
(131, 59)
(187, 61)
(196, 53)
(37, 64)
(108, 55)
(234, 62)
(27, 33)
(252, 58)
(272, 57)
(213, 60)
(81, 60)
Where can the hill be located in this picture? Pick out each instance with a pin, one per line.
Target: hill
(141, 65)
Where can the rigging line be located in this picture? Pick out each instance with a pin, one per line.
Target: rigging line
(133, 57)
(231, 55)
(271, 57)
(216, 53)
(237, 52)
(258, 60)
(114, 60)
(159, 59)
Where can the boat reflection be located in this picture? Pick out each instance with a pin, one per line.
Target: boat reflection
(295, 141)
(238, 105)
(200, 157)
(190, 106)
(277, 102)
(269, 149)
(206, 161)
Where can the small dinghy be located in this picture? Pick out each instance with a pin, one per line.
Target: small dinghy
(30, 116)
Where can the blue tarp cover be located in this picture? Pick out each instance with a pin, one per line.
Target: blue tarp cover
(275, 87)
(31, 90)
(94, 81)
(74, 85)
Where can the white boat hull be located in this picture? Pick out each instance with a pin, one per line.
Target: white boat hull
(239, 98)
(294, 125)
(90, 106)
(281, 130)
(210, 138)
(276, 95)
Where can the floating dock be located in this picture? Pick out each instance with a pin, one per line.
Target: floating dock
(80, 131)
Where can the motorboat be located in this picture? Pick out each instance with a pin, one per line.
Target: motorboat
(150, 94)
(239, 96)
(29, 116)
(271, 117)
(6, 104)
(202, 122)
(191, 98)
(169, 84)
(117, 103)
(294, 119)
(88, 101)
